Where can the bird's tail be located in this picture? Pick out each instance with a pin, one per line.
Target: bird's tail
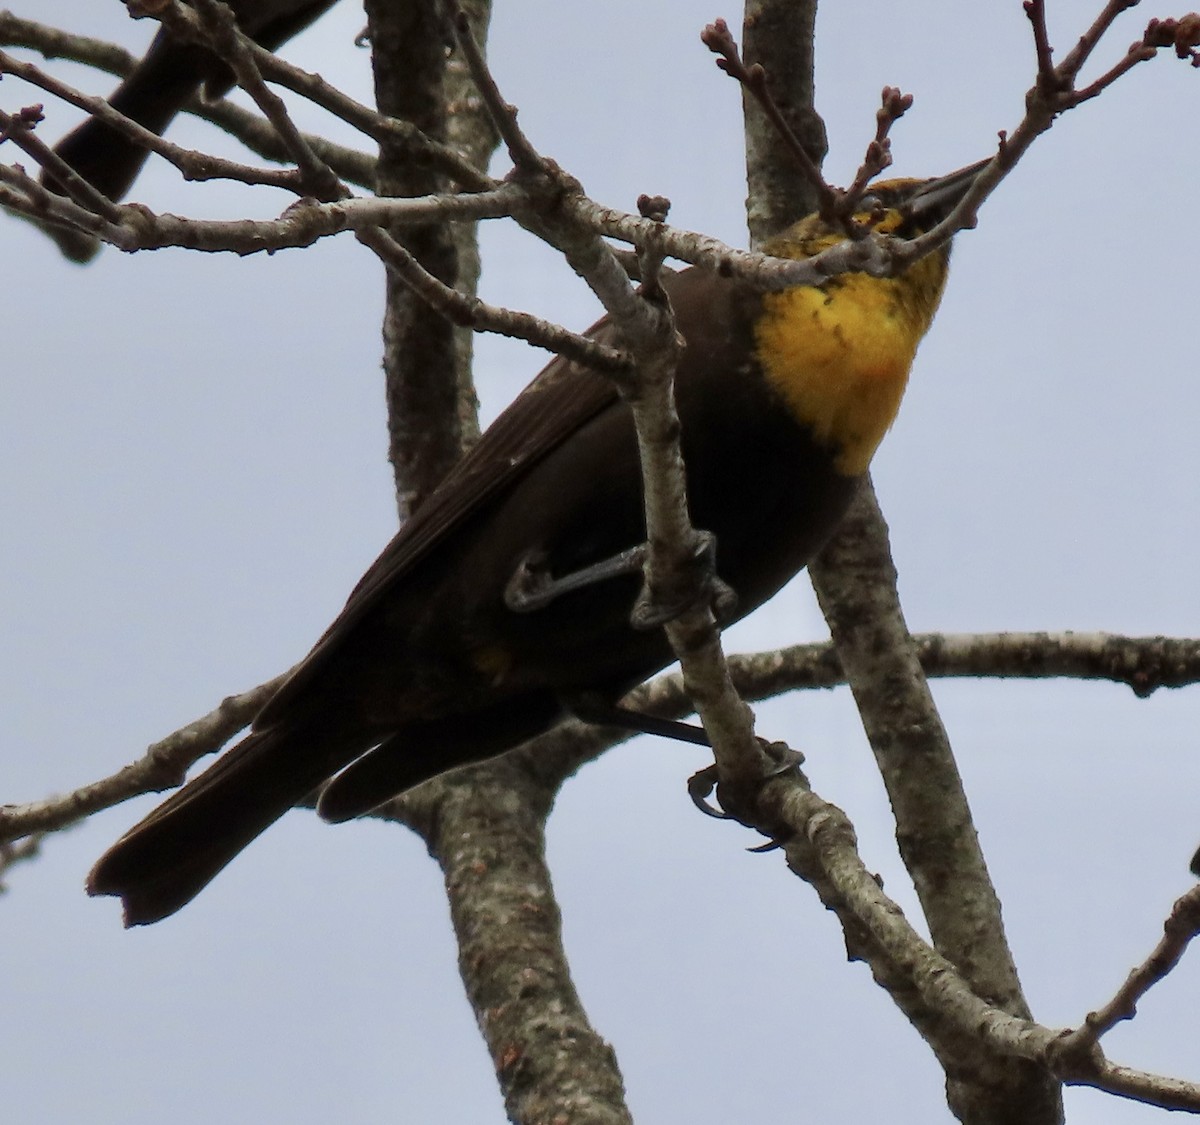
(164, 861)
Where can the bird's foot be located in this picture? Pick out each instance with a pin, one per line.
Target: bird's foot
(532, 587)
(737, 801)
(655, 607)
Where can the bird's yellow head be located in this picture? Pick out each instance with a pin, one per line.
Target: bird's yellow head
(839, 353)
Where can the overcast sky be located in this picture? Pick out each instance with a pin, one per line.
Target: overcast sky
(193, 475)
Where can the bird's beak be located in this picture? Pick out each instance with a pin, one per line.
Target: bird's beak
(933, 200)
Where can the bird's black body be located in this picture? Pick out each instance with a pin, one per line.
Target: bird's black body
(428, 667)
(427, 659)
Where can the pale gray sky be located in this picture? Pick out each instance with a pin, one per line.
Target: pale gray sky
(193, 475)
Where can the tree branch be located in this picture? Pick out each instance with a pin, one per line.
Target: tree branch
(249, 128)
(1181, 926)
(485, 826)
(303, 223)
(855, 581)
(379, 126)
(192, 165)
(431, 404)
(1143, 663)
(472, 313)
(934, 994)
(163, 766)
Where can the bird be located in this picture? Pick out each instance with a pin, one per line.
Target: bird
(506, 597)
(163, 82)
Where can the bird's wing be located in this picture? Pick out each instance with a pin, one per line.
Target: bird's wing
(562, 398)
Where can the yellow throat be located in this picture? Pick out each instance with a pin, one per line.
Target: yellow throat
(839, 353)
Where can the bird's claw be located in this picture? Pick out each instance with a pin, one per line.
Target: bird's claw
(781, 756)
(653, 608)
(781, 759)
(700, 786)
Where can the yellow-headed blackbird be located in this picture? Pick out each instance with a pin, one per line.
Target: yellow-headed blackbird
(156, 90)
(434, 662)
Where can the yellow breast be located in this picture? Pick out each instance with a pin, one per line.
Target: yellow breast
(839, 355)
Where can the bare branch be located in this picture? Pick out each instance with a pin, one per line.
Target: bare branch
(247, 126)
(471, 312)
(222, 33)
(1036, 11)
(1140, 1086)
(1052, 94)
(250, 128)
(1181, 926)
(192, 164)
(57, 44)
(163, 766)
(504, 116)
(834, 206)
(485, 826)
(1066, 71)
(718, 39)
(1182, 35)
(893, 106)
(22, 851)
(876, 255)
(882, 936)
(855, 581)
(1144, 663)
(19, 130)
(303, 223)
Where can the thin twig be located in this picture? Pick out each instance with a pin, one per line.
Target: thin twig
(1182, 35)
(192, 164)
(1074, 60)
(19, 129)
(719, 39)
(230, 43)
(893, 105)
(301, 224)
(524, 156)
(53, 42)
(471, 312)
(163, 766)
(1181, 926)
(21, 851)
(1046, 75)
